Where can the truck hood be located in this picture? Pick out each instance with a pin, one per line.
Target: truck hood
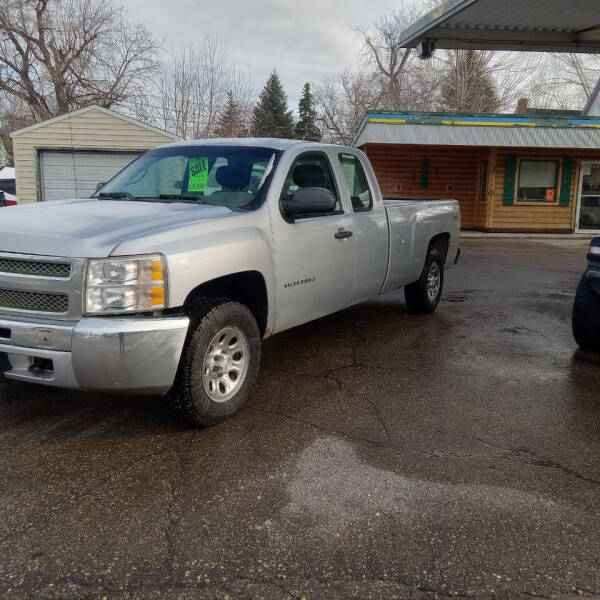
(93, 228)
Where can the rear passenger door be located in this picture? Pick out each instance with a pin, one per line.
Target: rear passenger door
(314, 263)
(370, 227)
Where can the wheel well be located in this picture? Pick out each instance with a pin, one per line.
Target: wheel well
(440, 242)
(247, 288)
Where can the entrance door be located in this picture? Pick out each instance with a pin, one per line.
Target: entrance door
(588, 207)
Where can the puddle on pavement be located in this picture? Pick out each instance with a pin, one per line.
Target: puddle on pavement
(331, 482)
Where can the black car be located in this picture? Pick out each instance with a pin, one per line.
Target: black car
(586, 309)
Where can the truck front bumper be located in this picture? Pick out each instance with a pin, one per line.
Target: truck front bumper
(135, 355)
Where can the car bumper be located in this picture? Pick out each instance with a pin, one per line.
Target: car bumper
(134, 355)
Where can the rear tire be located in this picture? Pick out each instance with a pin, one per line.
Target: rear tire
(424, 295)
(219, 364)
(586, 317)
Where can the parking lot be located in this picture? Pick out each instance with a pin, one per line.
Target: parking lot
(382, 455)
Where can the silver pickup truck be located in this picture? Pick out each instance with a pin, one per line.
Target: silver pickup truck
(167, 279)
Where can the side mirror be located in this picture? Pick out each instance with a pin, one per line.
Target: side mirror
(308, 201)
(99, 185)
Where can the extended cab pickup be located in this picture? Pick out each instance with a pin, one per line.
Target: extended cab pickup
(165, 281)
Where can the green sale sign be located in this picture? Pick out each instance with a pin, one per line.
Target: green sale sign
(198, 174)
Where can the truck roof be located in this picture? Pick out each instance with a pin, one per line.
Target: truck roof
(275, 143)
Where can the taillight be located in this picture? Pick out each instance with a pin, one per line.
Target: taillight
(11, 202)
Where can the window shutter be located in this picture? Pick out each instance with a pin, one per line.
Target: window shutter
(510, 179)
(425, 173)
(567, 180)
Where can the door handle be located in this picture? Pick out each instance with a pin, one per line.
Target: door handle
(343, 233)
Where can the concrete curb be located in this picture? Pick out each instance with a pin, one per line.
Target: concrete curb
(478, 235)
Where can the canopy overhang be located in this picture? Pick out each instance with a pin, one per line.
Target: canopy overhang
(533, 25)
(473, 130)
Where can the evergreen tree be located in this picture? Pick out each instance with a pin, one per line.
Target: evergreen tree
(271, 116)
(306, 127)
(468, 84)
(231, 120)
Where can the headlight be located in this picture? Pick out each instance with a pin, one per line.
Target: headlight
(125, 285)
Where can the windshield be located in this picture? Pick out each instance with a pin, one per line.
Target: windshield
(236, 177)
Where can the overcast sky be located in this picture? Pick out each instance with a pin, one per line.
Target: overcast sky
(303, 39)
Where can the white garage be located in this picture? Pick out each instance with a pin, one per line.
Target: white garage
(66, 157)
(66, 174)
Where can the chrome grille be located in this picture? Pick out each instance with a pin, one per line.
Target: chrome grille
(34, 267)
(34, 301)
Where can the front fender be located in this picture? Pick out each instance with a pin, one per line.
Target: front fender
(219, 254)
(203, 252)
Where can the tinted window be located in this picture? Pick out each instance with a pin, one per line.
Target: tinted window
(311, 170)
(357, 182)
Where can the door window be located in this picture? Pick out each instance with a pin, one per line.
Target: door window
(589, 204)
(358, 185)
(311, 169)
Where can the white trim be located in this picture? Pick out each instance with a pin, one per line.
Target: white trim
(582, 164)
(106, 111)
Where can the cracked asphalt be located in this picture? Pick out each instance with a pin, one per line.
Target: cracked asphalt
(382, 455)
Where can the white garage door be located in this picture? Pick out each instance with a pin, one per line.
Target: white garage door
(66, 175)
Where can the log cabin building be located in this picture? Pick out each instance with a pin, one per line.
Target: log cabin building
(510, 173)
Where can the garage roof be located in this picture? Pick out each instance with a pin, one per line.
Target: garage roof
(468, 129)
(86, 109)
(531, 25)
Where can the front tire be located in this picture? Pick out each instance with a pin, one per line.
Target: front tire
(423, 296)
(586, 317)
(219, 364)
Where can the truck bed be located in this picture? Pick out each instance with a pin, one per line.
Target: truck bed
(413, 222)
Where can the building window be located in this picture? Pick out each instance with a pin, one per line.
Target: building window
(538, 181)
(483, 175)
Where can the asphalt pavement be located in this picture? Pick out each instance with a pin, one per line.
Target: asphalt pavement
(382, 455)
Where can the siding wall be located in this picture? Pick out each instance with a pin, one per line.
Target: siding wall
(536, 216)
(91, 130)
(453, 174)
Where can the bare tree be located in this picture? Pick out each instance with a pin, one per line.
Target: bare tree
(192, 90)
(578, 70)
(342, 101)
(477, 81)
(404, 81)
(59, 55)
(567, 80)
(14, 114)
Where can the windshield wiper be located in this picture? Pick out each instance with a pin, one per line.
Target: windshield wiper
(117, 195)
(183, 198)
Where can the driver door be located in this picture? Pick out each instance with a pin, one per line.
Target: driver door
(314, 256)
